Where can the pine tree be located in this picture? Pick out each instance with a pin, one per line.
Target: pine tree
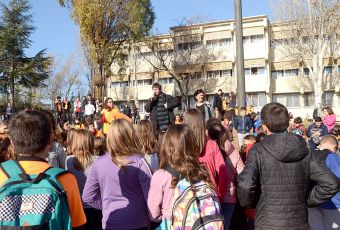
(15, 67)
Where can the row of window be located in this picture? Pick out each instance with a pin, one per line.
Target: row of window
(295, 72)
(219, 42)
(219, 73)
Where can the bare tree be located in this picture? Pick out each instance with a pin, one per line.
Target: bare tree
(64, 77)
(311, 37)
(182, 55)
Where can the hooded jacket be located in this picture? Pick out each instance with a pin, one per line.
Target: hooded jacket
(277, 182)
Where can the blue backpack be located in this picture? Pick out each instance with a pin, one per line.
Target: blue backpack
(33, 201)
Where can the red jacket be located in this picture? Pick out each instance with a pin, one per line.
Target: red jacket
(212, 158)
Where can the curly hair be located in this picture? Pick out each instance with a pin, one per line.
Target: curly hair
(180, 150)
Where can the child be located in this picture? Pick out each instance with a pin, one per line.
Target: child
(180, 152)
(234, 165)
(119, 181)
(243, 125)
(327, 215)
(99, 146)
(211, 155)
(80, 163)
(298, 128)
(315, 132)
(249, 141)
(148, 143)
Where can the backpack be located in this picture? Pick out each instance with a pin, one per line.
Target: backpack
(196, 206)
(33, 201)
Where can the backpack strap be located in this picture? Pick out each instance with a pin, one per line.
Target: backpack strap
(12, 168)
(53, 174)
(173, 172)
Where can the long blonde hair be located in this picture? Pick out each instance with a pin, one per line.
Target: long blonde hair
(146, 137)
(122, 141)
(82, 148)
(195, 120)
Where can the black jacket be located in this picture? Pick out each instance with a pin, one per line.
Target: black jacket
(277, 182)
(151, 107)
(217, 102)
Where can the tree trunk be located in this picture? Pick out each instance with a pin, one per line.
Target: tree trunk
(12, 89)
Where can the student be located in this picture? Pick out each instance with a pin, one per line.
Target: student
(298, 128)
(329, 118)
(210, 154)
(148, 143)
(95, 132)
(234, 165)
(35, 128)
(315, 132)
(278, 174)
(56, 156)
(99, 146)
(243, 125)
(180, 151)
(327, 215)
(111, 113)
(119, 182)
(89, 110)
(6, 150)
(202, 105)
(79, 162)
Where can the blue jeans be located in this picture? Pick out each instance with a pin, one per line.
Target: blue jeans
(227, 212)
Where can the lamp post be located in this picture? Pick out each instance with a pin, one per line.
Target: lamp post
(241, 95)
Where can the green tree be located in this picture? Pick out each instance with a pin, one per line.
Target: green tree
(15, 67)
(106, 26)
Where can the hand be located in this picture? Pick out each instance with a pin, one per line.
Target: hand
(166, 105)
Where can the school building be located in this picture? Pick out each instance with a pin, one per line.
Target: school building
(270, 74)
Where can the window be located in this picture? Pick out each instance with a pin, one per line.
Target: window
(163, 81)
(218, 42)
(327, 98)
(339, 69)
(219, 73)
(285, 73)
(254, 71)
(328, 70)
(227, 73)
(196, 75)
(144, 82)
(277, 73)
(309, 100)
(289, 100)
(253, 39)
(119, 84)
(306, 72)
(256, 99)
(189, 45)
(291, 72)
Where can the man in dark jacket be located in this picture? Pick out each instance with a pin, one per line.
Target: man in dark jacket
(218, 104)
(161, 108)
(279, 173)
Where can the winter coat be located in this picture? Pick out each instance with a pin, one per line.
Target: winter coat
(151, 107)
(218, 102)
(276, 181)
(243, 124)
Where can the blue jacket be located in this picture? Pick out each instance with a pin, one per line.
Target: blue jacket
(243, 124)
(333, 163)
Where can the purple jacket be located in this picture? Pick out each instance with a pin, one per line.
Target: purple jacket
(121, 193)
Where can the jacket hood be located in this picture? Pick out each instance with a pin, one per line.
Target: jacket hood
(286, 147)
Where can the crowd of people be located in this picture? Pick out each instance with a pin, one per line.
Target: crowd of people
(170, 171)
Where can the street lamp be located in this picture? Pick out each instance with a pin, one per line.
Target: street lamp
(241, 102)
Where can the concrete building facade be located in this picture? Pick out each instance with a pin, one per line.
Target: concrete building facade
(270, 74)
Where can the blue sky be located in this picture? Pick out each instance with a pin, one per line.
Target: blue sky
(57, 32)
